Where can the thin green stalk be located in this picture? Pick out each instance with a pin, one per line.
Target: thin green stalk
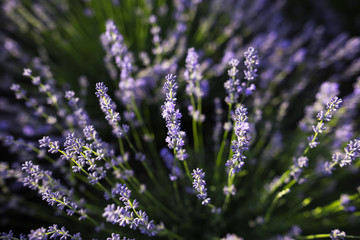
(136, 137)
(222, 147)
(276, 199)
(231, 177)
(130, 144)
(286, 174)
(194, 126)
(317, 236)
(187, 170)
(177, 195)
(121, 146)
(199, 108)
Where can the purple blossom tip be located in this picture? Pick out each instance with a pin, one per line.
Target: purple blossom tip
(200, 185)
(336, 234)
(27, 72)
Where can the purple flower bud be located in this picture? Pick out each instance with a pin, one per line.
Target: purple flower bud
(199, 184)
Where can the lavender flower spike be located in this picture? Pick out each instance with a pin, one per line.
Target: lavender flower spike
(352, 151)
(334, 104)
(243, 140)
(199, 184)
(108, 107)
(337, 235)
(172, 117)
(129, 215)
(232, 85)
(192, 75)
(251, 62)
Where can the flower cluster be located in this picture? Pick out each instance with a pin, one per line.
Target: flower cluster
(297, 168)
(192, 74)
(109, 107)
(196, 86)
(334, 104)
(238, 146)
(352, 151)
(232, 85)
(251, 62)
(50, 189)
(54, 232)
(336, 234)
(200, 185)
(84, 155)
(172, 116)
(115, 236)
(129, 215)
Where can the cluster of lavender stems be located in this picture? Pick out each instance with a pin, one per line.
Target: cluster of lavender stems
(158, 155)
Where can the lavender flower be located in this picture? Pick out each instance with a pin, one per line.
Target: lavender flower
(53, 146)
(172, 117)
(334, 104)
(9, 235)
(297, 168)
(156, 39)
(199, 184)
(230, 236)
(352, 151)
(108, 107)
(229, 190)
(196, 86)
(115, 236)
(80, 153)
(251, 62)
(54, 232)
(129, 215)
(231, 86)
(19, 92)
(80, 115)
(336, 234)
(238, 146)
(50, 189)
(28, 73)
(192, 75)
(346, 204)
(171, 164)
(326, 168)
(115, 48)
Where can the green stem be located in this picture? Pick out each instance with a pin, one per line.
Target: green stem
(187, 170)
(276, 199)
(230, 182)
(222, 147)
(317, 236)
(121, 146)
(194, 126)
(199, 108)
